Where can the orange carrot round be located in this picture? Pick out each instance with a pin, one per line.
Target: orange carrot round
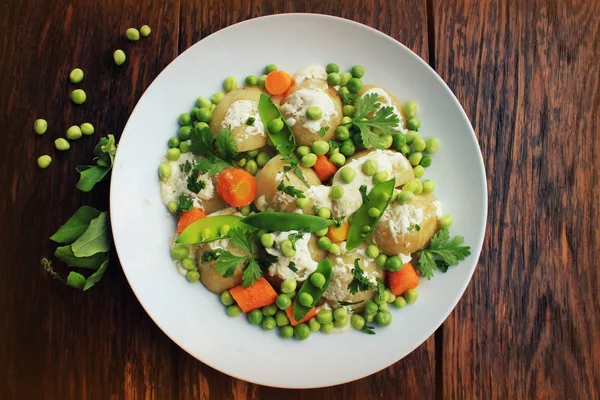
(188, 217)
(404, 279)
(338, 234)
(324, 168)
(290, 313)
(278, 82)
(236, 187)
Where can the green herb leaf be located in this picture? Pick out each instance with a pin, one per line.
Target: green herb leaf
(360, 282)
(292, 266)
(65, 254)
(184, 203)
(90, 175)
(96, 276)
(348, 97)
(226, 145)
(95, 239)
(211, 255)
(339, 221)
(202, 143)
(293, 161)
(241, 239)
(75, 280)
(250, 121)
(323, 130)
(193, 184)
(384, 121)
(252, 273)
(227, 263)
(291, 190)
(294, 237)
(76, 225)
(441, 253)
(212, 166)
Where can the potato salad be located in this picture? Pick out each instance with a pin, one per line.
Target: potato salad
(301, 200)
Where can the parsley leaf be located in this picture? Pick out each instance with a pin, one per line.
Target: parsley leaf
(323, 130)
(193, 184)
(416, 227)
(250, 121)
(184, 203)
(360, 282)
(227, 263)
(292, 266)
(241, 239)
(291, 190)
(187, 167)
(252, 273)
(441, 253)
(202, 143)
(226, 145)
(294, 237)
(293, 161)
(384, 120)
(212, 166)
(211, 255)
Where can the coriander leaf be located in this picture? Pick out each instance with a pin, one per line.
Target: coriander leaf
(241, 239)
(75, 280)
(212, 166)
(202, 143)
(323, 131)
(441, 253)
(294, 237)
(426, 264)
(187, 167)
(96, 276)
(384, 120)
(95, 239)
(211, 255)
(250, 121)
(184, 203)
(292, 266)
(226, 145)
(65, 254)
(227, 263)
(360, 282)
(293, 161)
(76, 225)
(251, 274)
(365, 105)
(291, 190)
(193, 184)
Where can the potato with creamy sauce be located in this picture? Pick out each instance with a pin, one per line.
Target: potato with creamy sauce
(214, 281)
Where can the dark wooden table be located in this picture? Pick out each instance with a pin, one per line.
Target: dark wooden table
(528, 76)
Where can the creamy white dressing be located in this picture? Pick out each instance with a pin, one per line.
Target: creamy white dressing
(303, 258)
(401, 219)
(439, 209)
(237, 115)
(176, 184)
(386, 101)
(319, 194)
(299, 101)
(310, 72)
(405, 258)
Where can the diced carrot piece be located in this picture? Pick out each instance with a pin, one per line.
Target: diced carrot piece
(290, 313)
(278, 82)
(188, 217)
(401, 281)
(255, 296)
(338, 234)
(324, 168)
(236, 187)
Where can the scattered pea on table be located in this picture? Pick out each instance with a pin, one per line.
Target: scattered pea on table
(87, 128)
(78, 96)
(119, 57)
(44, 161)
(74, 132)
(76, 75)
(62, 144)
(40, 126)
(145, 31)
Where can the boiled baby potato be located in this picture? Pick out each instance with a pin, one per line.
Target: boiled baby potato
(392, 100)
(267, 180)
(388, 234)
(305, 136)
(214, 281)
(247, 137)
(342, 276)
(401, 169)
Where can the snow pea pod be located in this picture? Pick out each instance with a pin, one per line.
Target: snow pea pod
(324, 268)
(284, 140)
(279, 221)
(208, 229)
(362, 223)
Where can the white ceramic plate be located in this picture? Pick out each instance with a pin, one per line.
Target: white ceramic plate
(192, 316)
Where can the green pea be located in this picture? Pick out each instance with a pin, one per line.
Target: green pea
(262, 158)
(405, 150)
(164, 169)
(446, 221)
(411, 295)
(226, 298)
(314, 325)
(145, 30)
(301, 332)
(348, 148)
(184, 146)
(357, 71)
(78, 96)
(413, 185)
(327, 328)
(76, 75)
(203, 102)
(337, 192)
(119, 57)
(217, 97)
(275, 125)
(369, 317)
(324, 243)
(267, 240)
(192, 276)
(419, 170)
(61, 144)
(432, 145)
(205, 233)
(224, 229)
(394, 195)
(324, 212)
(337, 159)
(287, 248)
(400, 302)
(252, 153)
(251, 80)
(371, 308)
(383, 306)
(270, 68)
(305, 299)
(393, 263)
(380, 260)
(173, 154)
(340, 323)
(314, 113)
(281, 318)
(268, 323)
(387, 141)
(233, 311)
(204, 115)
(173, 142)
(347, 174)
(366, 228)
(309, 160)
(325, 316)
(426, 161)
(415, 158)
(255, 317)
(261, 81)
(331, 67)
(252, 167)
(369, 167)
(179, 252)
(302, 203)
(334, 249)
(372, 251)
(185, 132)
(391, 297)
(286, 332)
(132, 34)
(411, 136)
(343, 91)
(172, 206)
(428, 186)
(380, 177)
(398, 140)
(196, 108)
(230, 83)
(40, 126)
(419, 144)
(357, 321)
(413, 123)
(345, 78)
(383, 318)
(188, 263)
(318, 280)
(302, 151)
(283, 301)
(410, 109)
(349, 110)
(322, 232)
(87, 128)
(241, 162)
(405, 197)
(340, 313)
(288, 285)
(333, 78)
(342, 133)
(374, 212)
(354, 85)
(74, 132)
(44, 161)
(269, 310)
(245, 210)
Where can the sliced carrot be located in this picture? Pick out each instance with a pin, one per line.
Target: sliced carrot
(188, 217)
(290, 313)
(278, 82)
(324, 168)
(261, 294)
(401, 281)
(236, 187)
(338, 234)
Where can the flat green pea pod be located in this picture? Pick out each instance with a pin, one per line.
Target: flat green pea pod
(279, 221)
(363, 222)
(308, 287)
(284, 140)
(207, 229)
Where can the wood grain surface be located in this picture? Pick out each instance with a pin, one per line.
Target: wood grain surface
(528, 76)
